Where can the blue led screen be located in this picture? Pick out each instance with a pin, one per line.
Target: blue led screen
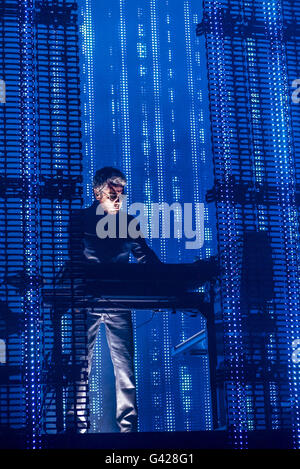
(198, 104)
(147, 113)
(252, 70)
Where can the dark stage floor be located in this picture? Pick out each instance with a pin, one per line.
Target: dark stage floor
(151, 440)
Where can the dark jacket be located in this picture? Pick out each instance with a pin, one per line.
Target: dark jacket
(86, 246)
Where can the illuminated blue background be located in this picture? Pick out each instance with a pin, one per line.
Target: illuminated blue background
(149, 109)
(149, 96)
(147, 114)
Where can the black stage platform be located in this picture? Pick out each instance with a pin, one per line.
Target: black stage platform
(150, 440)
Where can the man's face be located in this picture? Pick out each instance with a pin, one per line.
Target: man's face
(105, 197)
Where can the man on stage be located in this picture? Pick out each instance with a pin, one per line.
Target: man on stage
(93, 252)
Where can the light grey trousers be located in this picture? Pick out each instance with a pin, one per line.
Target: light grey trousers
(119, 334)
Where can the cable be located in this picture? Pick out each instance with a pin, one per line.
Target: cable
(148, 320)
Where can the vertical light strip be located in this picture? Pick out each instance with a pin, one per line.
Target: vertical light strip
(227, 225)
(197, 160)
(159, 148)
(96, 385)
(185, 381)
(57, 92)
(285, 184)
(255, 131)
(88, 48)
(126, 148)
(254, 47)
(30, 175)
(126, 145)
(58, 164)
(193, 124)
(87, 40)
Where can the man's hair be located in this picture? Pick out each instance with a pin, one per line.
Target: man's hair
(110, 176)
